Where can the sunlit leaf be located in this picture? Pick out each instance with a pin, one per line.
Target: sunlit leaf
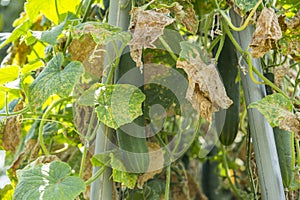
(116, 104)
(48, 181)
(50, 36)
(48, 8)
(102, 33)
(32, 66)
(17, 32)
(9, 73)
(54, 80)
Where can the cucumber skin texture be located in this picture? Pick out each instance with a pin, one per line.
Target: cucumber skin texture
(284, 146)
(228, 70)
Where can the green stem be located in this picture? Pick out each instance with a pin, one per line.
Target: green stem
(14, 113)
(250, 66)
(221, 44)
(96, 175)
(168, 48)
(45, 115)
(225, 164)
(56, 10)
(168, 180)
(246, 21)
(86, 12)
(86, 143)
(6, 104)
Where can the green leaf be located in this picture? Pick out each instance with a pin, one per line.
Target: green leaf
(50, 36)
(117, 104)
(17, 32)
(127, 179)
(32, 66)
(274, 107)
(48, 181)
(102, 33)
(9, 73)
(245, 5)
(47, 7)
(53, 80)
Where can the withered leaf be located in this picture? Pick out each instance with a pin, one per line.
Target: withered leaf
(12, 131)
(156, 164)
(146, 26)
(294, 23)
(291, 123)
(85, 50)
(185, 14)
(206, 91)
(267, 33)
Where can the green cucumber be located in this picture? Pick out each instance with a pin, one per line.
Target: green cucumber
(228, 70)
(135, 155)
(286, 154)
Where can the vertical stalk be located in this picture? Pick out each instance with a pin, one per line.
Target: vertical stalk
(261, 132)
(101, 189)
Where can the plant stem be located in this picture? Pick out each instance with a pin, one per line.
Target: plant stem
(14, 113)
(168, 48)
(45, 115)
(86, 12)
(168, 180)
(225, 165)
(56, 10)
(246, 21)
(96, 175)
(86, 143)
(250, 65)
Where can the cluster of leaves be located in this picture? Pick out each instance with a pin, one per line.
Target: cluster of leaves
(51, 93)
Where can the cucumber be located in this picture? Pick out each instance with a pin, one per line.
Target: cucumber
(228, 70)
(285, 150)
(135, 157)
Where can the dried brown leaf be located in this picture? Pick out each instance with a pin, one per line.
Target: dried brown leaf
(12, 131)
(294, 23)
(186, 15)
(206, 91)
(91, 55)
(279, 74)
(156, 161)
(291, 123)
(146, 26)
(267, 33)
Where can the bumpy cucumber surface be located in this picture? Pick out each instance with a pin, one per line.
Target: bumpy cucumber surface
(228, 70)
(285, 150)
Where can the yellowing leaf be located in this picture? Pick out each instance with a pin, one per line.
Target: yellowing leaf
(267, 32)
(277, 109)
(146, 26)
(9, 73)
(127, 179)
(47, 7)
(206, 91)
(54, 80)
(116, 104)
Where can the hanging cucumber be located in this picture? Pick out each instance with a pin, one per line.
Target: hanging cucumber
(132, 138)
(228, 70)
(286, 154)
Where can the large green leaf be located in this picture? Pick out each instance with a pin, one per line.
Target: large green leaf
(9, 73)
(48, 8)
(116, 104)
(274, 107)
(54, 80)
(48, 182)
